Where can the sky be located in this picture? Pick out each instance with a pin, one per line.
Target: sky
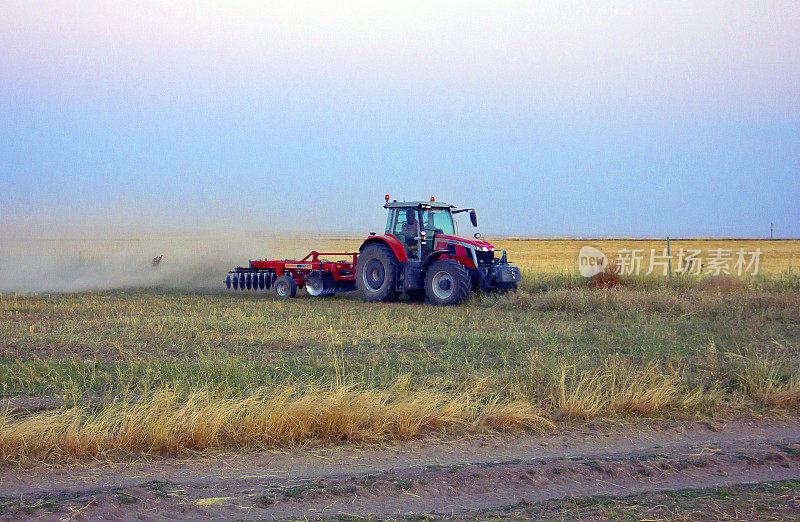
(579, 119)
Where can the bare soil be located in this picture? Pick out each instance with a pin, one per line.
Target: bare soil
(458, 478)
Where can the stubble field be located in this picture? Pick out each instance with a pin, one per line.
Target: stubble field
(166, 370)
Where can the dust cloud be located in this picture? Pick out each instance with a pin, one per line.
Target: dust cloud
(76, 262)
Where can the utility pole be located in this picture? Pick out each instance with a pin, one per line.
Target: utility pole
(669, 262)
(771, 225)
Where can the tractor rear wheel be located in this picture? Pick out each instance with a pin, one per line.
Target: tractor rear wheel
(376, 269)
(446, 282)
(284, 287)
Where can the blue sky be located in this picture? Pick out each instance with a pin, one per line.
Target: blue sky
(552, 119)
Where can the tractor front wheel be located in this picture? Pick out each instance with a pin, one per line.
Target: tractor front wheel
(375, 274)
(446, 282)
(284, 287)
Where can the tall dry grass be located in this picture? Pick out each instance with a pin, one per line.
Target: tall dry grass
(770, 379)
(558, 255)
(619, 387)
(167, 422)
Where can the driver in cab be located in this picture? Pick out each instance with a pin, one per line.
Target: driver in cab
(411, 229)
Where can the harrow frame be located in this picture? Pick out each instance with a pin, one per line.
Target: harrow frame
(319, 276)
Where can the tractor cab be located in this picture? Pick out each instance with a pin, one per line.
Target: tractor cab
(417, 223)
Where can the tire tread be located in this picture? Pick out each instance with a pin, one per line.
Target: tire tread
(460, 278)
(389, 293)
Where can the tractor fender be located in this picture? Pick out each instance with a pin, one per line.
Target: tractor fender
(433, 256)
(436, 254)
(389, 240)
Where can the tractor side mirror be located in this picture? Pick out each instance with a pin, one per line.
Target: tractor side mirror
(473, 217)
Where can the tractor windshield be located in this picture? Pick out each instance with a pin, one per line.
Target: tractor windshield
(439, 221)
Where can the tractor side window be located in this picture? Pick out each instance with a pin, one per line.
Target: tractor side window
(407, 229)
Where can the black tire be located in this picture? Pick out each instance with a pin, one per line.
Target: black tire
(446, 283)
(376, 269)
(284, 287)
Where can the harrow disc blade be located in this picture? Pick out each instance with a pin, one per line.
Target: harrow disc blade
(235, 282)
(248, 281)
(314, 285)
(228, 281)
(241, 282)
(260, 281)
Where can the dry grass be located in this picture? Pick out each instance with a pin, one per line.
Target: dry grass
(618, 388)
(559, 255)
(772, 381)
(167, 422)
(581, 396)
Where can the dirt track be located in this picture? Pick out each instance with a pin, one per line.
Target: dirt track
(418, 477)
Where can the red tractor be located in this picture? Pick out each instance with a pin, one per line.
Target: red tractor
(419, 255)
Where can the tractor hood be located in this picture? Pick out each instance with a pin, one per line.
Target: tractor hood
(474, 243)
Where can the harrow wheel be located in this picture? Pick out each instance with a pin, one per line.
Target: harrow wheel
(284, 287)
(446, 282)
